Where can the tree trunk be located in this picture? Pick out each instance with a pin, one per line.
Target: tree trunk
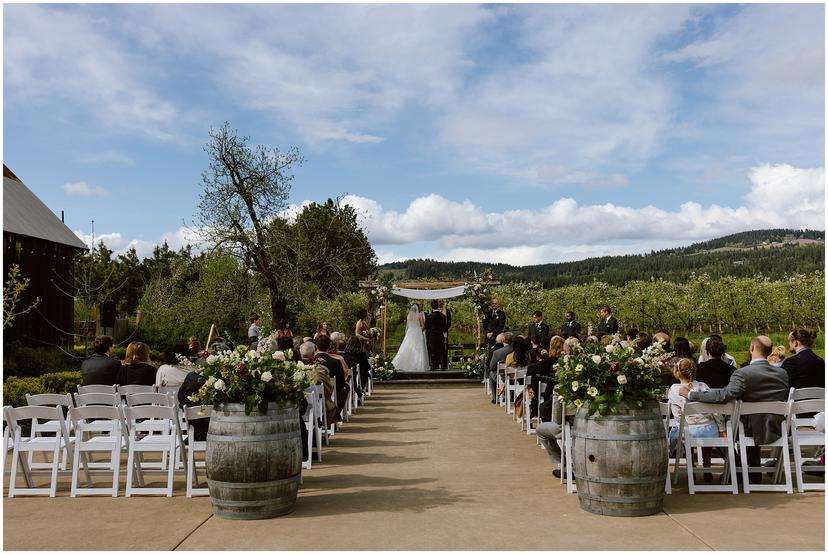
(278, 307)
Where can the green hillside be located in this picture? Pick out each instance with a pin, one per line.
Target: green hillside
(772, 253)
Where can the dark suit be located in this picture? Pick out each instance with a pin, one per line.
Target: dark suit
(608, 326)
(435, 340)
(539, 332)
(494, 321)
(571, 329)
(100, 369)
(756, 382)
(715, 373)
(805, 369)
(335, 370)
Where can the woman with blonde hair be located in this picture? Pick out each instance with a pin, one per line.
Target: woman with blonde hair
(136, 368)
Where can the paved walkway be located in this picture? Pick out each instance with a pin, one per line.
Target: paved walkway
(423, 469)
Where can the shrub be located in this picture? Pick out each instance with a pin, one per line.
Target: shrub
(23, 361)
(61, 382)
(15, 389)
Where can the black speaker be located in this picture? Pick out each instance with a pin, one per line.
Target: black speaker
(107, 311)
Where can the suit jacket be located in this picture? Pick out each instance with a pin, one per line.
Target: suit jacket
(608, 326)
(499, 355)
(757, 382)
(435, 325)
(335, 369)
(495, 322)
(571, 329)
(539, 332)
(100, 369)
(715, 373)
(805, 369)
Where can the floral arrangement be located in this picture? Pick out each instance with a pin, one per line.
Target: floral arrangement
(605, 376)
(474, 366)
(380, 293)
(252, 377)
(477, 288)
(382, 366)
(373, 333)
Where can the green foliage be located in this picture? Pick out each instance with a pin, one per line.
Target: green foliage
(15, 389)
(61, 382)
(13, 290)
(24, 361)
(340, 312)
(474, 366)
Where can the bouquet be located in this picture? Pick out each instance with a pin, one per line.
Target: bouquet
(373, 333)
(606, 376)
(252, 378)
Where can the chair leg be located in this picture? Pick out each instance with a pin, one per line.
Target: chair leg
(73, 491)
(745, 468)
(171, 469)
(786, 465)
(800, 484)
(13, 477)
(688, 461)
(130, 471)
(116, 469)
(55, 466)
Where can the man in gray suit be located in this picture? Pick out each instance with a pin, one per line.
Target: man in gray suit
(758, 381)
(499, 355)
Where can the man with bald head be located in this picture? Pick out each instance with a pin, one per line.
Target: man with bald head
(758, 381)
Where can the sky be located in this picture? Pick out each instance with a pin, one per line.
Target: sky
(511, 133)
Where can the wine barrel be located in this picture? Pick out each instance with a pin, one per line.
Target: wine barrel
(254, 462)
(620, 461)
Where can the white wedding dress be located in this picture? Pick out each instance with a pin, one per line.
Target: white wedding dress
(413, 353)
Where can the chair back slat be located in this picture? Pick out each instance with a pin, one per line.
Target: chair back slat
(149, 398)
(153, 411)
(808, 393)
(47, 413)
(708, 408)
(83, 413)
(105, 389)
(47, 399)
(770, 407)
(808, 406)
(97, 399)
(124, 390)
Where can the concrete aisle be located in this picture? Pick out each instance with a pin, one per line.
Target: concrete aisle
(423, 469)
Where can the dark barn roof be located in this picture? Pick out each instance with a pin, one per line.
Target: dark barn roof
(24, 214)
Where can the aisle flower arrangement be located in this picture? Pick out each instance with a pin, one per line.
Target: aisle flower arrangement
(382, 366)
(253, 377)
(606, 376)
(474, 366)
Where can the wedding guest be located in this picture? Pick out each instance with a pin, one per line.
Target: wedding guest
(725, 356)
(320, 375)
(494, 322)
(191, 385)
(607, 325)
(605, 340)
(498, 355)
(776, 356)
(631, 335)
(664, 338)
(804, 368)
(137, 369)
(570, 344)
(714, 371)
(533, 351)
(681, 352)
(195, 347)
(255, 328)
(101, 368)
(542, 370)
(354, 355)
(642, 342)
(446, 312)
(284, 329)
(571, 327)
(538, 331)
(321, 329)
(337, 368)
(361, 329)
(173, 373)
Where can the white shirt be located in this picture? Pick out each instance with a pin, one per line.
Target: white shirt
(677, 402)
(254, 330)
(171, 375)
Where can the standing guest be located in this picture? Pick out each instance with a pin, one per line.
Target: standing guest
(361, 329)
(101, 368)
(607, 324)
(446, 312)
(172, 373)
(284, 329)
(757, 382)
(714, 371)
(571, 327)
(354, 355)
(494, 322)
(538, 331)
(321, 329)
(255, 329)
(137, 369)
(804, 368)
(498, 355)
(195, 347)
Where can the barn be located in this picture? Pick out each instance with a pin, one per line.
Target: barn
(44, 248)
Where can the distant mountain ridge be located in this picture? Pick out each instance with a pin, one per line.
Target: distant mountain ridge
(772, 253)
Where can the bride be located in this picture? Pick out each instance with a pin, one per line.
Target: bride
(413, 354)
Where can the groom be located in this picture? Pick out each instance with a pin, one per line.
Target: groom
(435, 328)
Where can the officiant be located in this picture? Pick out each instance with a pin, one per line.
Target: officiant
(494, 322)
(436, 328)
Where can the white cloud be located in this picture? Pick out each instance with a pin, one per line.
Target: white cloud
(82, 188)
(143, 248)
(780, 196)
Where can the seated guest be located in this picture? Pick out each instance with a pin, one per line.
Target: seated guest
(355, 355)
(101, 368)
(533, 351)
(681, 352)
(714, 372)
(757, 382)
(285, 344)
(605, 340)
(498, 355)
(664, 339)
(631, 334)
(542, 370)
(804, 368)
(195, 347)
(321, 376)
(727, 358)
(642, 342)
(191, 385)
(337, 369)
(137, 369)
(173, 373)
(519, 356)
(255, 329)
(776, 356)
(698, 425)
(570, 344)
(284, 329)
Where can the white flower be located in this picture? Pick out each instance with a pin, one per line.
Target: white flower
(592, 391)
(624, 344)
(252, 355)
(579, 368)
(267, 376)
(210, 381)
(211, 359)
(622, 379)
(279, 355)
(566, 358)
(219, 385)
(596, 358)
(300, 363)
(560, 398)
(610, 348)
(579, 402)
(639, 360)
(574, 385)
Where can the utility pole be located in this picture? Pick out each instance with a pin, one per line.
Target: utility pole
(93, 235)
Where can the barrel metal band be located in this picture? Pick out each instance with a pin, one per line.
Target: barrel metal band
(619, 417)
(253, 438)
(622, 480)
(245, 419)
(249, 503)
(620, 499)
(254, 484)
(647, 436)
(607, 512)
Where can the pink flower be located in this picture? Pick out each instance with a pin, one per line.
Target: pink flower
(242, 369)
(203, 354)
(613, 367)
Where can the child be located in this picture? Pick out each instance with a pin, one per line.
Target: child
(699, 425)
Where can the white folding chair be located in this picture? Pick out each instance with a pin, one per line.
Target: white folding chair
(686, 443)
(332, 428)
(97, 399)
(143, 422)
(309, 419)
(807, 393)
(509, 389)
(771, 408)
(9, 427)
(357, 371)
(370, 381)
(803, 434)
(517, 392)
(666, 416)
(321, 415)
(167, 389)
(566, 453)
(55, 442)
(150, 399)
(499, 378)
(191, 414)
(105, 389)
(51, 427)
(527, 405)
(124, 390)
(97, 429)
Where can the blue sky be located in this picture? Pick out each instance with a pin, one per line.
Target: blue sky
(511, 133)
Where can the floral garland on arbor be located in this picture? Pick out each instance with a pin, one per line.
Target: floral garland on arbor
(478, 289)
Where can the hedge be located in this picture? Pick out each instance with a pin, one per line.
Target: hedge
(15, 388)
